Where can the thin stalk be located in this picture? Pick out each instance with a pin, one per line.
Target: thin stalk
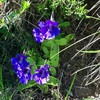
(72, 83)
(93, 17)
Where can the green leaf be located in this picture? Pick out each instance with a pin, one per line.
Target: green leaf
(53, 81)
(2, 1)
(34, 68)
(40, 61)
(30, 60)
(64, 24)
(12, 15)
(33, 64)
(25, 86)
(69, 38)
(53, 51)
(46, 51)
(43, 88)
(1, 81)
(53, 71)
(61, 42)
(25, 5)
(64, 41)
(48, 62)
(41, 7)
(47, 43)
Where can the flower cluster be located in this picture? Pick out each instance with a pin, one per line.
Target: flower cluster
(47, 30)
(23, 70)
(42, 75)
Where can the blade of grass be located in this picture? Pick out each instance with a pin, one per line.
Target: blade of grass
(1, 79)
(90, 51)
(72, 83)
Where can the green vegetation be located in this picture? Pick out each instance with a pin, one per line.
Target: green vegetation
(66, 41)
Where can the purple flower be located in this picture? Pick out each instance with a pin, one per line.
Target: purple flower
(47, 30)
(41, 75)
(22, 68)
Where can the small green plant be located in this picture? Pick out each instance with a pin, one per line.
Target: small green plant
(77, 8)
(41, 67)
(11, 18)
